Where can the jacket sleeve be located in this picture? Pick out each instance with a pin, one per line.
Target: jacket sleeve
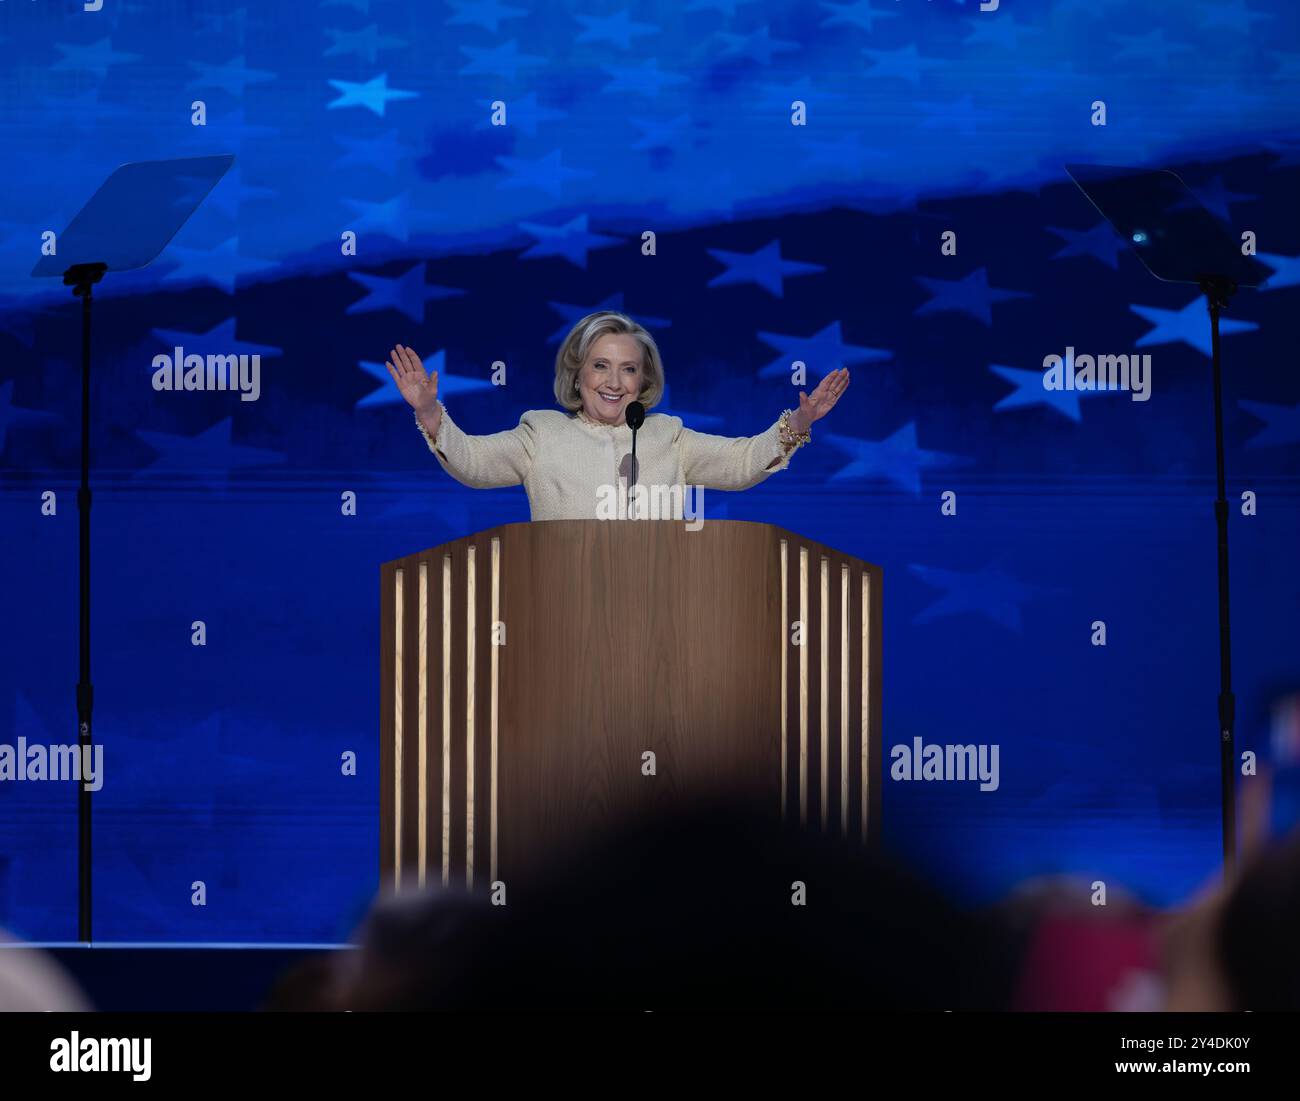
(730, 462)
(484, 462)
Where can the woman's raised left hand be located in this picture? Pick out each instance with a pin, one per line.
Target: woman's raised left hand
(822, 400)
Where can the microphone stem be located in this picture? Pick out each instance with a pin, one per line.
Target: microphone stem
(632, 493)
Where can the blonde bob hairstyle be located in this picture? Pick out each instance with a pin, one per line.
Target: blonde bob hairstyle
(577, 346)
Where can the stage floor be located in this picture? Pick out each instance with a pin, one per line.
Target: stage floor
(137, 977)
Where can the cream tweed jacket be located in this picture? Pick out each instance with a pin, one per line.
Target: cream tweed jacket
(568, 466)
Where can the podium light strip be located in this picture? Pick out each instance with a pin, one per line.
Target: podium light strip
(471, 574)
(866, 700)
(496, 618)
(397, 730)
(446, 719)
(825, 690)
(422, 857)
(844, 699)
(803, 686)
(783, 628)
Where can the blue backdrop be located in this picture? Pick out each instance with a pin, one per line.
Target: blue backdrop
(779, 235)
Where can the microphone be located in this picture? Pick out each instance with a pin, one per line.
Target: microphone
(635, 417)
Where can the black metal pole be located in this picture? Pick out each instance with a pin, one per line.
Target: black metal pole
(82, 277)
(1217, 293)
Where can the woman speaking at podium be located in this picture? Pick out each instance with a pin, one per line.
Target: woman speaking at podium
(571, 462)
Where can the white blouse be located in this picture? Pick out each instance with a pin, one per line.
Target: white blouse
(574, 470)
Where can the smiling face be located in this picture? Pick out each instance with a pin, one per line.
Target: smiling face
(610, 378)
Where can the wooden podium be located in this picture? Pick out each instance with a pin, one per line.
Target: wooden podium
(532, 674)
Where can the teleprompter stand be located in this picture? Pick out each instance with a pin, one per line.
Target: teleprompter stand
(1179, 241)
(125, 225)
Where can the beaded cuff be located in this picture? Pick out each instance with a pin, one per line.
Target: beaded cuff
(790, 440)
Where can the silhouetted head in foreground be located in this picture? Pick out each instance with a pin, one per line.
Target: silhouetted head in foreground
(1257, 929)
(719, 909)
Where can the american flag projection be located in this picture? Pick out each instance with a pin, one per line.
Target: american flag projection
(873, 184)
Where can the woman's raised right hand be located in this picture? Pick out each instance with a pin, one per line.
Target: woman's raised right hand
(418, 387)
